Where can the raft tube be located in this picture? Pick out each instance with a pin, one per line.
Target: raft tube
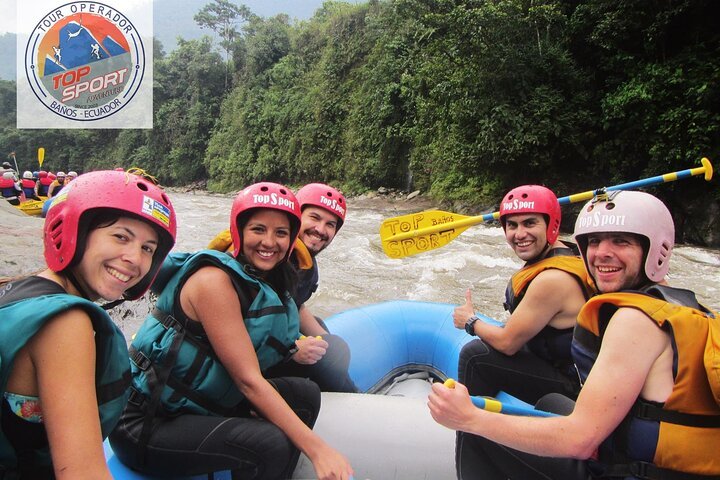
(401, 336)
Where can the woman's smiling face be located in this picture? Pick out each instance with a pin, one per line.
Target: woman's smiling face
(266, 238)
(116, 258)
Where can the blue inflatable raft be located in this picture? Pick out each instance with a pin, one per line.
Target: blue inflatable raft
(398, 349)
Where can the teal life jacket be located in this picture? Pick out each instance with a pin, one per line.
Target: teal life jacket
(22, 317)
(173, 364)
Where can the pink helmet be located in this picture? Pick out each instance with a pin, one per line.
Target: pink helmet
(323, 196)
(263, 195)
(68, 217)
(631, 212)
(533, 199)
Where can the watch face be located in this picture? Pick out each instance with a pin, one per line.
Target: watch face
(470, 324)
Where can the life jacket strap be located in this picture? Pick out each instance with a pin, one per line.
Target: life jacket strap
(649, 411)
(111, 391)
(649, 471)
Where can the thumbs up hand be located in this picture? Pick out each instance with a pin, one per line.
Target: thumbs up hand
(464, 311)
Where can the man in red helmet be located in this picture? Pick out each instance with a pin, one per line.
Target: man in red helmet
(529, 356)
(323, 357)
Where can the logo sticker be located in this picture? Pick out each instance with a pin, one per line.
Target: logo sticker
(85, 62)
(155, 209)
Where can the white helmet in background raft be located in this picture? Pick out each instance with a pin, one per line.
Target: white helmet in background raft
(630, 212)
(325, 197)
(27, 174)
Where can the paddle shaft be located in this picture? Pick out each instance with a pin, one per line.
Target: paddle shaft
(706, 169)
(492, 405)
(16, 165)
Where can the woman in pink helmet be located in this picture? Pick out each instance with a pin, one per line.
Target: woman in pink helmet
(200, 401)
(65, 368)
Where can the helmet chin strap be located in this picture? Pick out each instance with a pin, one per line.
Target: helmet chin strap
(73, 279)
(83, 293)
(541, 255)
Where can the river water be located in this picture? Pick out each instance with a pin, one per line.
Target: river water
(354, 271)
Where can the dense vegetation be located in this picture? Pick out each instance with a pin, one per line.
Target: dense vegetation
(459, 98)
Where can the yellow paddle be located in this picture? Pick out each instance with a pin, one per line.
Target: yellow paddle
(41, 155)
(419, 232)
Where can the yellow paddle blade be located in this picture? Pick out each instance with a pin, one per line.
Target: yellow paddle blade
(419, 232)
(41, 155)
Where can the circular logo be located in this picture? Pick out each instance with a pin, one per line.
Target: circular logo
(84, 61)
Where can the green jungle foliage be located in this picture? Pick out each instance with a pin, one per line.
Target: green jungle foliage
(463, 99)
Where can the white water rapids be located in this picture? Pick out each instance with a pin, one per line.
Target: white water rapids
(354, 271)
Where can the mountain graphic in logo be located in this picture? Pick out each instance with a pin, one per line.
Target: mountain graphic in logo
(85, 61)
(77, 45)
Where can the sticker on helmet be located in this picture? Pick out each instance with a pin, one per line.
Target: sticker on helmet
(157, 210)
(332, 204)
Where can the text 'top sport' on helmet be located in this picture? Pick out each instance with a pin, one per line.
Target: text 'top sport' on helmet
(70, 212)
(630, 212)
(264, 195)
(533, 199)
(323, 196)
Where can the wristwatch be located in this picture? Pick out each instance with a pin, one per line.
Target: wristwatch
(470, 325)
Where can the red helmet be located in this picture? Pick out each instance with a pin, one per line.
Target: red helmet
(264, 195)
(42, 174)
(67, 219)
(323, 196)
(533, 199)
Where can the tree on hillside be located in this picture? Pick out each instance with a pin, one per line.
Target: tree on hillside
(223, 17)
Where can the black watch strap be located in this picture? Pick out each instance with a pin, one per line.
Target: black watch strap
(470, 325)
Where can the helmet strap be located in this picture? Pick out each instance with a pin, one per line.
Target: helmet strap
(113, 304)
(541, 256)
(73, 279)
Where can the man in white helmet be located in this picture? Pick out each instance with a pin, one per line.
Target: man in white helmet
(647, 355)
(57, 184)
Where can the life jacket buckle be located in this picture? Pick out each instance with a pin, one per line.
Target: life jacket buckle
(139, 359)
(136, 398)
(643, 470)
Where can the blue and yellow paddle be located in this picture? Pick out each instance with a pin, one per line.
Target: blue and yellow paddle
(492, 405)
(419, 232)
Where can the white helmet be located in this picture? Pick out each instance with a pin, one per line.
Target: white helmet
(8, 175)
(630, 212)
(27, 174)
(72, 174)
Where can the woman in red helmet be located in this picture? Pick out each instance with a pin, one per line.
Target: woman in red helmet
(530, 356)
(65, 369)
(200, 401)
